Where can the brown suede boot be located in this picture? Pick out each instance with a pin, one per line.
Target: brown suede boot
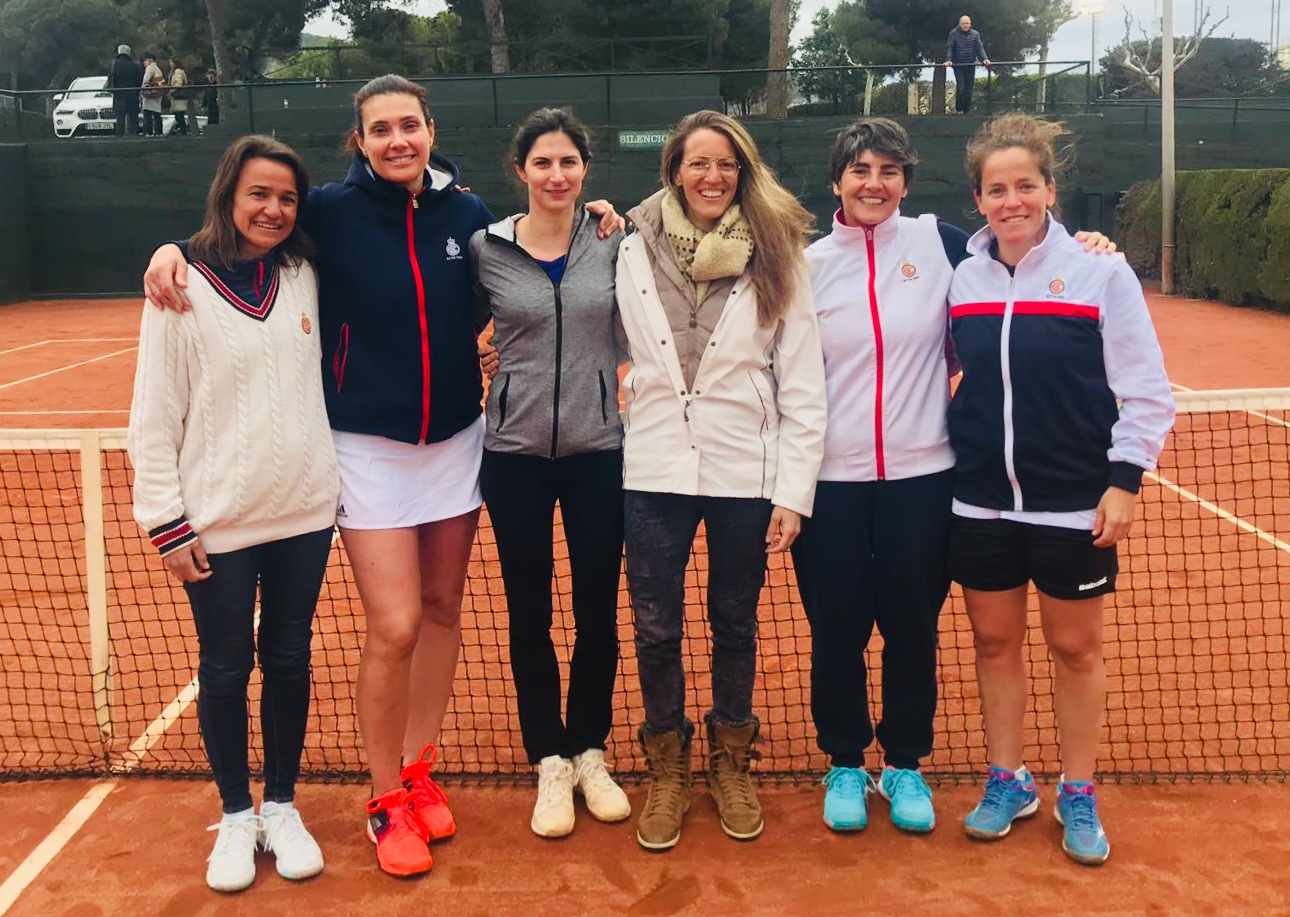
(668, 757)
(729, 753)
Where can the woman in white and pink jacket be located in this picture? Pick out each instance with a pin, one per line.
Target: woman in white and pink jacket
(874, 549)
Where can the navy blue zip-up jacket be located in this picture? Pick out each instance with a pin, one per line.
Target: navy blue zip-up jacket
(963, 48)
(395, 304)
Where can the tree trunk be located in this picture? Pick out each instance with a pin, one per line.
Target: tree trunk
(499, 55)
(1041, 99)
(777, 60)
(939, 80)
(216, 13)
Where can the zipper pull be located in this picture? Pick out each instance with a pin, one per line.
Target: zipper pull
(415, 205)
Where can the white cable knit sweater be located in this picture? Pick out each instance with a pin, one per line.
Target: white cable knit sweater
(228, 430)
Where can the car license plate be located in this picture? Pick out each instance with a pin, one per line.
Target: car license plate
(100, 125)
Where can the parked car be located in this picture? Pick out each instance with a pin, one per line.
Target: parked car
(86, 109)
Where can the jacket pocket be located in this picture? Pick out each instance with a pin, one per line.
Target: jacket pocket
(501, 403)
(604, 398)
(341, 357)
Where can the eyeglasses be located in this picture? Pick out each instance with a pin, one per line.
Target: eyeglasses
(700, 166)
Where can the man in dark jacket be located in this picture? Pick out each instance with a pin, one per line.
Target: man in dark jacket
(962, 50)
(124, 75)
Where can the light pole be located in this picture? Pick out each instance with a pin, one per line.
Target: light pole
(1167, 244)
(1092, 9)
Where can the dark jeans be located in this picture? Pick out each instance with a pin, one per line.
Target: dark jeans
(289, 574)
(181, 123)
(521, 492)
(875, 551)
(152, 123)
(965, 82)
(660, 530)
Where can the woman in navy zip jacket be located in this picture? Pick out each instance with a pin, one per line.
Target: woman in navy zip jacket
(547, 282)
(1063, 406)
(874, 550)
(395, 305)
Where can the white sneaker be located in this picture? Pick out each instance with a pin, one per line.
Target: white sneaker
(231, 865)
(605, 799)
(553, 813)
(283, 834)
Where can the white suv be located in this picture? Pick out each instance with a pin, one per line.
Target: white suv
(86, 108)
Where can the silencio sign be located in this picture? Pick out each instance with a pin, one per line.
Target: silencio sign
(641, 140)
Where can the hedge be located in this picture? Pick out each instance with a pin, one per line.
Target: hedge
(1233, 235)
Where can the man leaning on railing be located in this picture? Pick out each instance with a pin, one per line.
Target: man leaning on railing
(962, 51)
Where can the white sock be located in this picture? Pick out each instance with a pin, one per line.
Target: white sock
(279, 805)
(240, 815)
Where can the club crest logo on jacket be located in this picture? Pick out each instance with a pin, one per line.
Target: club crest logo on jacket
(1058, 286)
(908, 271)
(452, 249)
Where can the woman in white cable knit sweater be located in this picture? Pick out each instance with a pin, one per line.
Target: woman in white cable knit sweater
(235, 483)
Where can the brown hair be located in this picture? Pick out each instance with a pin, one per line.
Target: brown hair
(1035, 135)
(218, 241)
(780, 225)
(390, 84)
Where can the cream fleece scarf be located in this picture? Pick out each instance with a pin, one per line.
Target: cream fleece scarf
(702, 257)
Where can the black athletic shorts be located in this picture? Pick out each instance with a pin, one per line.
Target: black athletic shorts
(995, 555)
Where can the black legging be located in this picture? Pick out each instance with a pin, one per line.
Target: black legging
(521, 492)
(289, 574)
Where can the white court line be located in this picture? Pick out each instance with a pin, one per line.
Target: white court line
(1222, 513)
(50, 847)
(68, 341)
(29, 413)
(106, 356)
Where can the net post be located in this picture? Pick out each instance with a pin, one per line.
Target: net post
(96, 580)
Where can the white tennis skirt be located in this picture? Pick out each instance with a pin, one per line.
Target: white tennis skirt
(386, 484)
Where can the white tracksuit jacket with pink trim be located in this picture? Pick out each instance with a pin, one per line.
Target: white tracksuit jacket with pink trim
(880, 297)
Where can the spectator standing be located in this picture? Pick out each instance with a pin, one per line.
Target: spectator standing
(210, 98)
(125, 74)
(962, 51)
(180, 92)
(153, 82)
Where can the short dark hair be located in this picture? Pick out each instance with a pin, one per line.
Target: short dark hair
(389, 84)
(883, 136)
(148, 55)
(550, 121)
(217, 241)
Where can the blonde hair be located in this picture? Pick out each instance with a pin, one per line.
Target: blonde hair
(1038, 137)
(780, 225)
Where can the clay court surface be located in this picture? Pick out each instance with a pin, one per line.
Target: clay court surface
(1205, 847)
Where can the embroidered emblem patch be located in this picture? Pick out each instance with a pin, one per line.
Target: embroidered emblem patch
(908, 270)
(1058, 286)
(304, 323)
(452, 249)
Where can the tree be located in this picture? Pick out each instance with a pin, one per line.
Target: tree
(1219, 67)
(1137, 57)
(777, 59)
(40, 40)
(846, 36)
(498, 52)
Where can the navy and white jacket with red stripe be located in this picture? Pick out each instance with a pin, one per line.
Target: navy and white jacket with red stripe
(395, 303)
(880, 297)
(1046, 353)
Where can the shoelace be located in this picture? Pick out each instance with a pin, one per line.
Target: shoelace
(594, 776)
(284, 829)
(234, 835)
(555, 785)
(848, 782)
(995, 799)
(1081, 813)
(664, 792)
(738, 786)
(907, 781)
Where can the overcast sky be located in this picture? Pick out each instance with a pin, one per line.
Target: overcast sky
(1245, 19)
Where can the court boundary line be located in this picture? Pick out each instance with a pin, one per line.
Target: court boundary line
(63, 369)
(67, 341)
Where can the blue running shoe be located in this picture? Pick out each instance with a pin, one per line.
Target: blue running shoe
(1006, 799)
(1082, 838)
(910, 798)
(845, 805)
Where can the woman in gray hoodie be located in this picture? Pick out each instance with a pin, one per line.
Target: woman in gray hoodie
(554, 435)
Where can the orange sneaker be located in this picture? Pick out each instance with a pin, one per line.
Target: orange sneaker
(399, 838)
(426, 799)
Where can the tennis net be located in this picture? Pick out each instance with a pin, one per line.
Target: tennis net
(99, 651)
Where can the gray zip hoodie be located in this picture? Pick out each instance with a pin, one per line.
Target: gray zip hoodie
(556, 392)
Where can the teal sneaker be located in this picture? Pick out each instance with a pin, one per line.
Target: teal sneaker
(1006, 799)
(845, 805)
(910, 798)
(1082, 837)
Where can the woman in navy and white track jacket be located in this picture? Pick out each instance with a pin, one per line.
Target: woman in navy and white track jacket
(1063, 406)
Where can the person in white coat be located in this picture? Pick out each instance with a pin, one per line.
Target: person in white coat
(725, 426)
